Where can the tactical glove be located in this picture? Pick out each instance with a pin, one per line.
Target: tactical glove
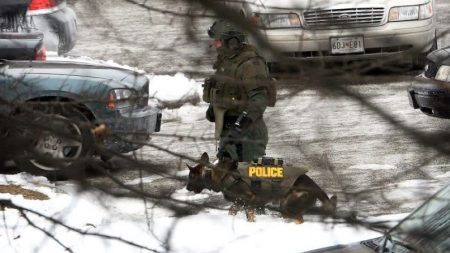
(210, 114)
(207, 86)
(242, 122)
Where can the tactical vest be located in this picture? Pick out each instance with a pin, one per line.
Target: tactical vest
(266, 181)
(227, 91)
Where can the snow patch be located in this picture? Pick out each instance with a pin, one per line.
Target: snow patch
(445, 175)
(372, 167)
(144, 180)
(173, 88)
(89, 60)
(409, 189)
(146, 224)
(185, 195)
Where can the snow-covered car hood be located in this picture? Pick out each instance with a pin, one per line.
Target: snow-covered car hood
(107, 72)
(313, 4)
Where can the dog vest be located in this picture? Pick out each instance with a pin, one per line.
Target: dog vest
(267, 181)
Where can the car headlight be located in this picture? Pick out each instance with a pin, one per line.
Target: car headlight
(443, 74)
(412, 12)
(426, 11)
(120, 98)
(276, 20)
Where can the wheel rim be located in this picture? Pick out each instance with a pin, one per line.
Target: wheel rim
(61, 148)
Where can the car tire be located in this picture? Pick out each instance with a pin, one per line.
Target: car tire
(61, 142)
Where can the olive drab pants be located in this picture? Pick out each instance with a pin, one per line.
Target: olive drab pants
(253, 143)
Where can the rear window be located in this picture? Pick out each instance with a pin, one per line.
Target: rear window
(12, 15)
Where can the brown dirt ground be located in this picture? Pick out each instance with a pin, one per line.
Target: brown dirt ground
(19, 190)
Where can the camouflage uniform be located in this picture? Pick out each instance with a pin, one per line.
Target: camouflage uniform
(239, 86)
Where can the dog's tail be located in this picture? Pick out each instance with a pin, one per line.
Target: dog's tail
(328, 204)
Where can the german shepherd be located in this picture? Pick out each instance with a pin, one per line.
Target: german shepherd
(292, 203)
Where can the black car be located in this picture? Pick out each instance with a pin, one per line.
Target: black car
(51, 19)
(19, 39)
(425, 230)
(431, 94)
(57, 21)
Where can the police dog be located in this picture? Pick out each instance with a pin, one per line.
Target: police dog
(297, 198)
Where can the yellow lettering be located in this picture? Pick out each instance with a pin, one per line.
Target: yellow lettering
(251, 171)
(280, 172)
(272, 172)
(259, 173)
(265, 172)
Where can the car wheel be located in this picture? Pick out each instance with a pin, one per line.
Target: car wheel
(61, 142)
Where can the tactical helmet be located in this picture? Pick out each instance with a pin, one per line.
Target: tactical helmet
(226, 31)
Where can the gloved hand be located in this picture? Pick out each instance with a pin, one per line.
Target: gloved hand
(210, 114)
(242, 122)
(233, 135)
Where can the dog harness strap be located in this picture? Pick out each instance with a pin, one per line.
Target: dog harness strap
(231, 178)
(229, 181)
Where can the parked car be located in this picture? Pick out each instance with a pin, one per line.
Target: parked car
(68, 111)
(57, 21)
(343, 30)
(56, 114)
(431, 93)
(18, 38)
(425, 230)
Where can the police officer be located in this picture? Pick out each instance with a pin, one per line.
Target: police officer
(238, 94)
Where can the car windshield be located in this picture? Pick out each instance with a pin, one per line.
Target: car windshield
(427, 229)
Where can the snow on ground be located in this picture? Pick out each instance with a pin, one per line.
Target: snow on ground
(131, 219)
(373, 167)
(208, 231)
(170, 89)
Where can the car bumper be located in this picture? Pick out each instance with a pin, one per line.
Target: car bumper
(130, 129)
(433, 99)
(59, 28)
(393, 38)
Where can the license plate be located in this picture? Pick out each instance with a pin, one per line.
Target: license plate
(347, 45)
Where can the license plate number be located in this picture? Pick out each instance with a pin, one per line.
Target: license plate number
(347, 45)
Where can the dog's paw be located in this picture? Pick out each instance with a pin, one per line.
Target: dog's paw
(251, 214)
(299, 220)
(234, 209)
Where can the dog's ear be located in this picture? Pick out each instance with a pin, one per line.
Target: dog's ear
(205, 158)
(190, 167)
